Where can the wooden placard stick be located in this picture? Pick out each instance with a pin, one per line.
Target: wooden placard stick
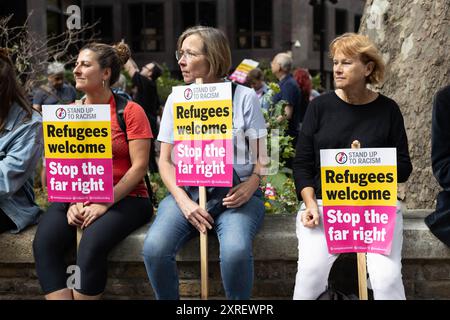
(361, 257)
(79, 204)
(203, 239)
(79, 231)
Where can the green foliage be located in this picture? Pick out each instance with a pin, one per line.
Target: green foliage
(276, 126)
(165, 83)
(159, 188)
(69, 77)
(279, 194)
(316, 82)
(41, 198)
(279, 189)
(267, 71)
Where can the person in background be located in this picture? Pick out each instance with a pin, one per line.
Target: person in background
(255, 79)
(56, 91)
(281, 67)
(304, 82)
(104, 225)
(120, 87)
(333, 121)
(147, 96)
(204, 52)
(21, 146)
(439, 220)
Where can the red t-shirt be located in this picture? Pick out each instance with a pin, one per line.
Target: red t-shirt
(138, 127)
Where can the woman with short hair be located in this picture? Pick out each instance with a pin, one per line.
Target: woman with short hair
(332, 121)
(203, 52)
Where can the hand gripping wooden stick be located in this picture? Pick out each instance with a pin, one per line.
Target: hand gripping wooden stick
(203, 251)
(361, 257)
(79, 204)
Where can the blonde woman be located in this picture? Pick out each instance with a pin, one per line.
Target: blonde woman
(203, 52)
(335, 120)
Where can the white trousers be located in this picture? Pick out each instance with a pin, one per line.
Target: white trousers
(314, 262)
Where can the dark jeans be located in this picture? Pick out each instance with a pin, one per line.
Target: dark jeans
(5, 222)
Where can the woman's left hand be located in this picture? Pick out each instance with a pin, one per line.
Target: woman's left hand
(92, 212)
(241, 193)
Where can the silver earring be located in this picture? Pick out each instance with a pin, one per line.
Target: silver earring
(103, 82)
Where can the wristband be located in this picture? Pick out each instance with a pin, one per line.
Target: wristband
(259, 176)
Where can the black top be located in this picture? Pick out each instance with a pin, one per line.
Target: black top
(147, 97)
(440, 138)
(331, 123)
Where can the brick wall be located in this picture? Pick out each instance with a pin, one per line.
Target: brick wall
(426, 265)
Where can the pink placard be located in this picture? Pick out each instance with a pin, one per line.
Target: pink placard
(79, 180)
(239, 76)
(359, 228)
(204, 162)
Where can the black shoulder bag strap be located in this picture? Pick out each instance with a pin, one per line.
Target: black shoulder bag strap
(121, 103)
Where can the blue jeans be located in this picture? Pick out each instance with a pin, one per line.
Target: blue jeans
(235, 228)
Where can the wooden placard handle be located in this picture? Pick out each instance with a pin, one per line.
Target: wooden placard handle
(79, 231)
(361, 257)
(203, 239)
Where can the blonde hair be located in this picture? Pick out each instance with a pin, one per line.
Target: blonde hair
(352, 44)
(215, 48)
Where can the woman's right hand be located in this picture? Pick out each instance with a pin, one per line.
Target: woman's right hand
(197, 216)
(310, 216)
(74, 216)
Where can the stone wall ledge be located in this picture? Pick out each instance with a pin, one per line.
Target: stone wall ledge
(276, 241)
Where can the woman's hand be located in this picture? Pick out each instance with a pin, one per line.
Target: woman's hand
(197, 216)
(92, 212)
(74, 216)
(310, 217)
(241, 193)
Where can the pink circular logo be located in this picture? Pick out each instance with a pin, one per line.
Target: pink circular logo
(61, 113)
(341, 157)
(188, 94)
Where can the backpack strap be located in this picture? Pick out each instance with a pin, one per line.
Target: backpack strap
(121, 103)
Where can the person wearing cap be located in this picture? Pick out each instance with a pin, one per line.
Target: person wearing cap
(56, 91)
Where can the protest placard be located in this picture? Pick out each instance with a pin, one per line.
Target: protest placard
(359, 193)
(242, 70)
(203, 146)
(78, 153)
